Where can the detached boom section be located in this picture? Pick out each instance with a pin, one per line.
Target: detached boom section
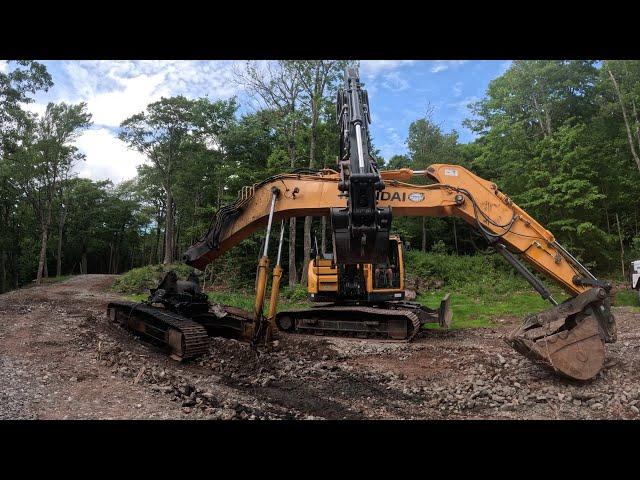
(300, 195)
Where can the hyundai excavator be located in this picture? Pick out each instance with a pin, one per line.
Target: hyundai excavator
(363, 276)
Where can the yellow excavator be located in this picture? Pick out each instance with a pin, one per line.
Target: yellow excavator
(367, 300)
(363, 277)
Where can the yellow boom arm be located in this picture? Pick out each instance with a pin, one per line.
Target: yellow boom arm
(457, 192)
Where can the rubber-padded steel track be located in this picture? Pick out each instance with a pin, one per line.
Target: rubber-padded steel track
(397, 324)
(183, 337)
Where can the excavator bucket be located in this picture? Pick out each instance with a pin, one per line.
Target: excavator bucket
(568, 338)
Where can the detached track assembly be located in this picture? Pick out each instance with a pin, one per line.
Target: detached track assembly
(184, 338)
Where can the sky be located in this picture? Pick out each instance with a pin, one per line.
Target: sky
(400, 91)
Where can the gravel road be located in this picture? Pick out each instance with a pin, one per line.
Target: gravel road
(61, 358)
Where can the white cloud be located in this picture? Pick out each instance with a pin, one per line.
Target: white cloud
(106, 157)
(116, 89)
(372, 68)
(112, 107)
(462, 106)
(394, 144)
(395, 82)
(457, 89)
(442, 65)
(34, 107)
(4, 66)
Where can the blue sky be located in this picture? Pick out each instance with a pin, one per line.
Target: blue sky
(399, 93)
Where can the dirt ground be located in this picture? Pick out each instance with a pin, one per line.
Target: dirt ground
(61, 358)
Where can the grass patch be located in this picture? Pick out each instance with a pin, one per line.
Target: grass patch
(627, 298)
(137, 297)
(61, 278)
(472, 311)
(140, 280)
(289, 300)
(483, 288)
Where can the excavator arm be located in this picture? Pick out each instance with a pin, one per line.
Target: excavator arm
(457, 192)
(569, 337)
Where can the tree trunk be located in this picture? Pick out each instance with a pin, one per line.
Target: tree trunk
(168, 237)
(176, 248)
(43, 255)
(455, 236)
(155, 251)
(110, 258)
(625, 117)
(3, 276)
(116, 260)
(323, 243)
(424, 234)
(293, 274)
(83, 263)
(538, 117)
(307, 250)
(42, 264)
(60, 232)
(621, 245)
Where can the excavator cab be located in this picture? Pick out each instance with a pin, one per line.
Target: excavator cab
(388, 275)
(368, 282)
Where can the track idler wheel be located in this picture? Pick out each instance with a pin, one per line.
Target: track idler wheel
(568, 338)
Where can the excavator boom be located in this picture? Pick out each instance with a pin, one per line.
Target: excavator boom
(458, 192)
(569, 337)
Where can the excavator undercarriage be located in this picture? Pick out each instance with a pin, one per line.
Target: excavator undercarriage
(389, 320)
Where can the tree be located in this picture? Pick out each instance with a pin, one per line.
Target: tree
(279, 87)
(427, 144)
(627, 95)
(164, 132)
(46, 160)
(397, 162)
(24, 79)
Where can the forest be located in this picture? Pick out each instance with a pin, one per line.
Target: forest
(560, 137)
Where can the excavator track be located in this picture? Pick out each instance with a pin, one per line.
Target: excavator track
(367, 322)
(184, 338)
(399, 320)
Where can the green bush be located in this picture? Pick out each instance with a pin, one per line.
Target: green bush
(473, 274)
(298, 293)
(140, 280)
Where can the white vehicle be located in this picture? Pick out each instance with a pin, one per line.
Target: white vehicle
(635, 276)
